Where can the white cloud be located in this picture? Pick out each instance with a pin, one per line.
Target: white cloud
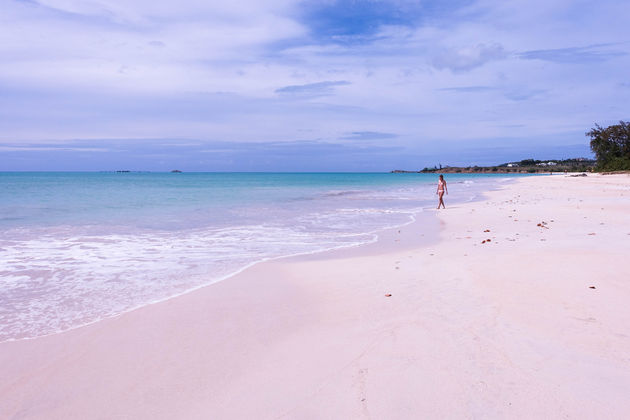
(41, 48)
(147, 12)
(468, 58)
(140, 69)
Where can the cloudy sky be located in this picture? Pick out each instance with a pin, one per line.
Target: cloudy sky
(341, 85)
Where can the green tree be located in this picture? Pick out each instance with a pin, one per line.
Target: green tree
(528, 162)
(611, 146)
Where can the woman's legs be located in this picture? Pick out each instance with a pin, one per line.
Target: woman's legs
(441, 202)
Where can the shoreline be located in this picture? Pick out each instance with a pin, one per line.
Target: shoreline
(351, 249)
(319, 338)
(376, 235)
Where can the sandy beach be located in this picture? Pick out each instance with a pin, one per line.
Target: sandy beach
(520, 310)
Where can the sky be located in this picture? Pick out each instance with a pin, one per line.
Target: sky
(284, 85)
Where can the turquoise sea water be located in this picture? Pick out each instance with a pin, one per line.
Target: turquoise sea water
(78, 247)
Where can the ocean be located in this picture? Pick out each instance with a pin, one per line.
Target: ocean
(79, 247)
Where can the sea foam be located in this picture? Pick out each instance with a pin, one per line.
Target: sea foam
(67, 261)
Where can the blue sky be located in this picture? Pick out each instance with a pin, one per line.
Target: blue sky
(289, 85)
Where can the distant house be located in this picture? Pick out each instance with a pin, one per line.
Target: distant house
(541, 164)
(551, 163)
(512, 165)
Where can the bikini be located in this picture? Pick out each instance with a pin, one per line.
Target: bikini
(440, 187)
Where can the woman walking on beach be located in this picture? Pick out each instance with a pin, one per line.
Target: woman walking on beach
(441, 188)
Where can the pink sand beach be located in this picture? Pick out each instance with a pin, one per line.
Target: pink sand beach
(520, 310)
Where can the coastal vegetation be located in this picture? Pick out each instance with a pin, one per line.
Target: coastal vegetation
(523, 166)
(611, 146)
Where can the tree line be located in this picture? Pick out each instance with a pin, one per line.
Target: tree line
(611, 146)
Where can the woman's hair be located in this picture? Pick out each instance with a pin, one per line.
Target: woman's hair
(441, 176)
